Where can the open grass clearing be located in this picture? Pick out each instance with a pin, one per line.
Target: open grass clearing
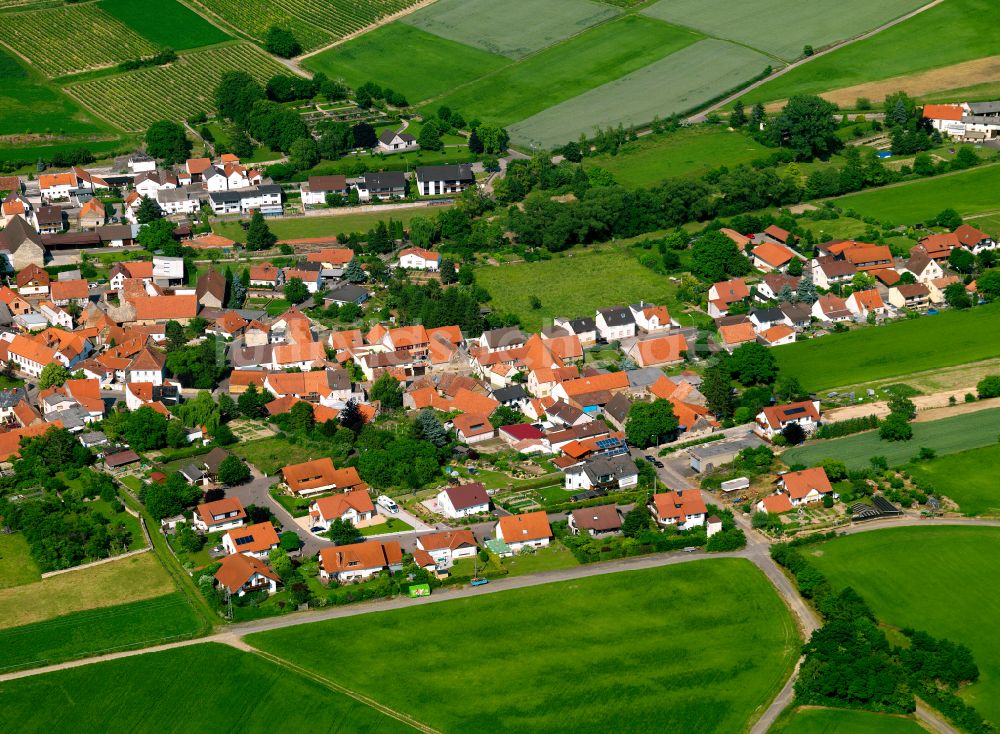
(945, 436)
(512, 28)
(682, 81)
(969, 478)
(844, 721)
(567, 69)
(955, 25)
(901, 348)
(778, 27)
(305, 227)
(16, 564)
(411, 61)
(574, 285)
(234, 691)
(166, 23)
(935, 579)
(271, 454)
(391, 525)
(125, 580)
(356, 164)
(688, 152)
(144, 623)
(668, 634)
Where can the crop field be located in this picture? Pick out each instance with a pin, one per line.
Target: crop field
(16, 565)
(754, 23)
(81, 634)
(136, 99)
(573, 285)
(567, 69)
(861, 356)
(314, 24)
(945, 436)
(654, 641)
(845, 721)
(955, 25)
(678, 83)
(969, 478)
(512, 28)
(411, 61)
(936, 579)
(207, 687)
(73, 38)
(165, 22)
(126, 580)
(688, 152)
(969, 192)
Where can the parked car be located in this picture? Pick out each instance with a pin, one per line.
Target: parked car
(658, 464)
(649, 458)
(479, 582)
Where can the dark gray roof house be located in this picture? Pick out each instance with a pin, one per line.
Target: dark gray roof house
(617, 316)
(347, 293)
(510, 395)
(461, 172)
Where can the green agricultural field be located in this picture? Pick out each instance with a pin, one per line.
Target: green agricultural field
(512, 28)
(778, 27)
(73, 38)
(356, 164)
(166, 23)
(936, 579)
(955, 25)
(413, 62)
(573, 285)
(229, 691)
(688, 152)
(82, 634)
(945, 436)
(16, 565)
(969, 192)
(699, 647)
(567, 69)
(969, 478)
(177, 91)
(681, 82)
(844, 721)
(901, 348)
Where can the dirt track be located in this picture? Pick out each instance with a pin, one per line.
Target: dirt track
(929, 407)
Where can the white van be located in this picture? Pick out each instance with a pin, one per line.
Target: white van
(387, 503)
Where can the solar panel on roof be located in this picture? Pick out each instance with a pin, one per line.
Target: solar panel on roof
(795, 411)
(244, 540)
(606, 443)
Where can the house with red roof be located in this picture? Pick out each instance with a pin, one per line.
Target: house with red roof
(257, 540)
(683, 509)
(772, 420)
(775, 504)
(806, 486)
(724, 294)
(241, 575)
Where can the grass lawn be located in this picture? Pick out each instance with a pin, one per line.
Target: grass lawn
(132, 482)
(844, 721)
(945, 436)
(968, 477)
(567, 69)
(573, 285)
(296, 506)
(681, 82)
(303, 227)
(661, 637)
(688, 152)
(270, 454)
(356, 164)
(411, 61)
(932, 579)
(16, 565)
(970, 192)
(126, 580)
(81, 634)
(554, 557)
(391, 525)
(248, 694)
(103, 508)
(897, 349)
(166, 23)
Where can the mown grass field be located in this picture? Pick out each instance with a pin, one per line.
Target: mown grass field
(970, 192)
(844, 721)
(404, 58)
(271, 454)
(567, 69)
(968, 477)
(165, 22)
(897, 349)
(138, 624)
(125, 580)
(694, 648)
(945, 436)
(207, 687)
(675, 84)
(513, 28)
(778, 27)
(292, 229)
(688, 152)
(940, 580)
(16, 565)
(574, 285)
(136, 99)
(955, 25)
(73, 38)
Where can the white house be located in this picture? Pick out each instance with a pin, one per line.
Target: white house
(614, 323)
(772, 420)
(141, 163)
(530, 530)
(650, 318)
(257, 540)
(449, 179)
(447, 547)
(584, 329)
(354, 506)
(168, 270)
(360, 561)
(417, 258)
(806, 486)
(241, 575)
(603, 472)
(224, 514)
(463, 500)
(315, 190)
(147, 366)
(390, 141)
(683, 509)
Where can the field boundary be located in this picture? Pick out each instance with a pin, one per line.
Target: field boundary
(100, 562)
